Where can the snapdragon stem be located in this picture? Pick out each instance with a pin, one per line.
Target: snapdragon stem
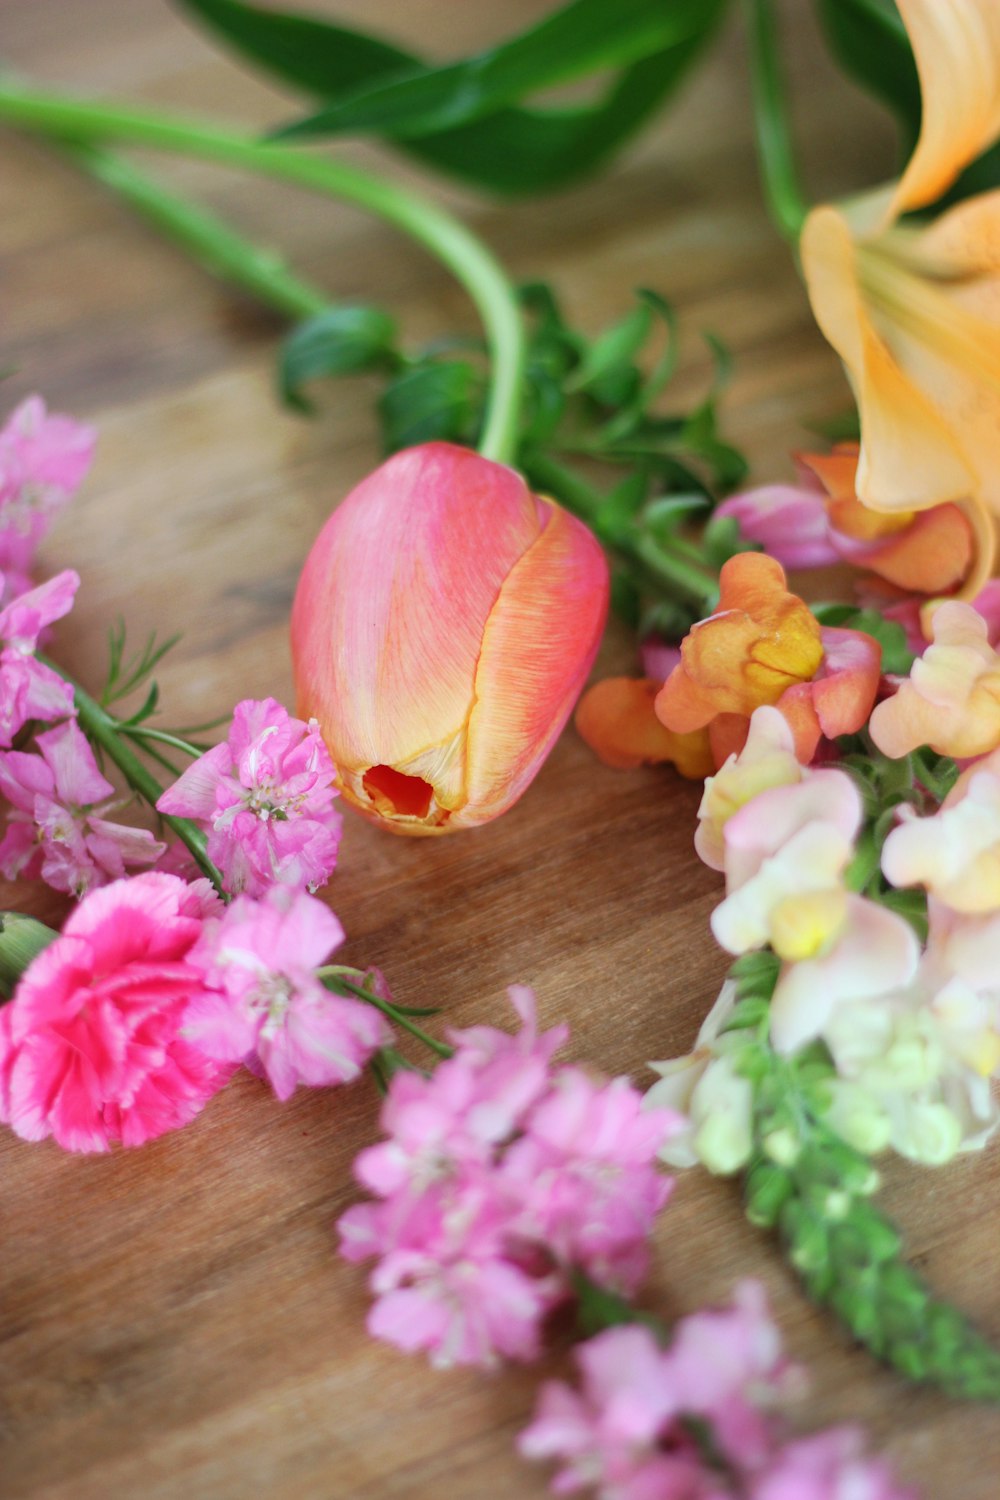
(442, 235)
(335, 980)
(103, 729)
(779, 175)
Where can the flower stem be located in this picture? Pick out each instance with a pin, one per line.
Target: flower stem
(207, 237)
(334, 980)
(660, 567)
(442, 235)
(100, 727)
(778, 171)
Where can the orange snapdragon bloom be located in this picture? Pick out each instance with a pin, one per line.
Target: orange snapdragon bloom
(914, 312)
(764, 646)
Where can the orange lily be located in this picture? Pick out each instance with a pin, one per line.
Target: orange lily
(914, 312)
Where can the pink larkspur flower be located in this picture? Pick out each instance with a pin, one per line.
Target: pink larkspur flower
(29, 690)
(55, 826)
(43, 461)
(262, 1001)
(587, 1167)
(829, 1465)
(91, 1051)
(698, 1420)
(500, 1175)
(265, 798)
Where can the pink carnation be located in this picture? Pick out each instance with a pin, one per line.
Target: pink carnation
(29, 690)
(263, 1003)
(43, 461)
(55, 828)
(265, 798)
(91, 1050)
(500, 1177)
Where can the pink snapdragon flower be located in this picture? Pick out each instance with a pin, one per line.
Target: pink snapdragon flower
(43, 461)
(633, 1430)
(265, 798)
(91, 1050)
(263, 1003)
(29, 690)
(55, 827)
(502, 1175)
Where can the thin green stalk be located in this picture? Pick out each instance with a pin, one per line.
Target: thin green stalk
(336, 981)
(662, 568)
(208, 238)
(778, 171)
(144, 732)
(448, 240)
(100, 727)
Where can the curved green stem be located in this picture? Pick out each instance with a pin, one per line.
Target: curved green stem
(335, 980)
(778, 171)
(100, 727)
(208, 239)
(448, 240)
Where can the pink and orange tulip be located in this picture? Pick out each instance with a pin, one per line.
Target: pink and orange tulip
(443, 627)
(914, 311)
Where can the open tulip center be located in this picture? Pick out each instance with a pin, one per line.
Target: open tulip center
(394, 792)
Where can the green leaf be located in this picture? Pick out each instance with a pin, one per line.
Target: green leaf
(507, 150)
(869, 40)
(568, 44)
(612, 352)
(434, 401)
(21, 939)
(335, 342)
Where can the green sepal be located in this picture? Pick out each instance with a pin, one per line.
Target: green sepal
(22, 938)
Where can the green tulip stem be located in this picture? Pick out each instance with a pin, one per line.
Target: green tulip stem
(437, 231)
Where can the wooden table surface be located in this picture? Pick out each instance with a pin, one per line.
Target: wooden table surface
(173, 1321)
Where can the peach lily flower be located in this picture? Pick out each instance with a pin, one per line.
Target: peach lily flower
(914, 311)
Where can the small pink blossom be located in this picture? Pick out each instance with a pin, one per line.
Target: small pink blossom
(29, 690)
(789, 521)
(91, 1050)
(586, 1167)
(830, 1465)
(500, 1175)
(265, 798)
(263, 1003)
(634, 1429)
(43, 461)
(55, 826)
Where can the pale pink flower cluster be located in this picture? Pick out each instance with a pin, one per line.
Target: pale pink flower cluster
(91, 1049)
(265, 798)
(698, 1420)
(43, 461)
(501, 1175)
(56, 828)
(262, 1003)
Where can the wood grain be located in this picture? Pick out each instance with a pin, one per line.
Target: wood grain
(173, 1321)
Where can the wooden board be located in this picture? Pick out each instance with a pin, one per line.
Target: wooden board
(173, 1322)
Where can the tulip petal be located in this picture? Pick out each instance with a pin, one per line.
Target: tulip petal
(956, 44)
(538, 647)
(400, 567)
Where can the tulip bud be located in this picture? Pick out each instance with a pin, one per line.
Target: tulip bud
(444, 624)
